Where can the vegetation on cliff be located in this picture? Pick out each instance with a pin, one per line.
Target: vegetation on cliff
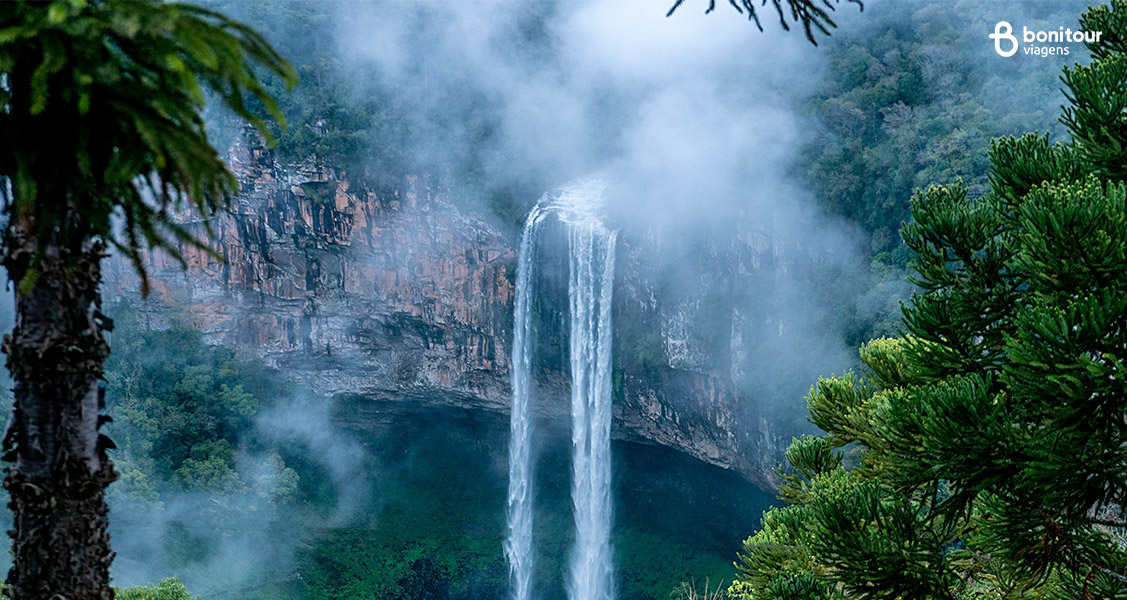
(181, 408)
(902, 107)
(166, 589)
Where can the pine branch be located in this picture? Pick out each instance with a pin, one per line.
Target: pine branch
(806, 12)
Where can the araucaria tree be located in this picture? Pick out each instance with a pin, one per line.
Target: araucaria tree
(988, 445)
(101, 142)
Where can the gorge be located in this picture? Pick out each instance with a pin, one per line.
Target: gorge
(401, 298)
(394, 308)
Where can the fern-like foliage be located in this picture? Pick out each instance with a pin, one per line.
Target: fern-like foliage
(100, 133)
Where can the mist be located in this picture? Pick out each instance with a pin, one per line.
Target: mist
(294, 472)
(686, 116)
(694, 122)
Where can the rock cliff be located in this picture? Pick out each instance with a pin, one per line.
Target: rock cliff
(400, 297)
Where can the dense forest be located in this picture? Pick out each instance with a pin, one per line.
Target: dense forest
(959, 218)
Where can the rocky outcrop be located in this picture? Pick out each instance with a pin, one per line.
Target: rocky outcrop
(399, 297)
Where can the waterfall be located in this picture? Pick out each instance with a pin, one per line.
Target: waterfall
(591, 284)
(518, 541)
(591, 247)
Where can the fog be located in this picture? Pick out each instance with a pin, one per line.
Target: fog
(695, 123)
(685, 115)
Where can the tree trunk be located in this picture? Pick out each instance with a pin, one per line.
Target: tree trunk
(57, 481)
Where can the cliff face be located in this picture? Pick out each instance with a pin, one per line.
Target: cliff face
(400, 298)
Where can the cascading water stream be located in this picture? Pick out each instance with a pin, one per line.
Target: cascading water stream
(591, 284)
(591, 247)
(518, 542)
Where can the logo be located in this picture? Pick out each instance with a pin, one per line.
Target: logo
(1004, 31)
(1037, 43)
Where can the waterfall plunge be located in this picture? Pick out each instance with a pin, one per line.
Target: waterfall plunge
(518, 541)
(590, 286)
(589, 290)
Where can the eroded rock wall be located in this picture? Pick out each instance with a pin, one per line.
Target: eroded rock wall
(399, 297)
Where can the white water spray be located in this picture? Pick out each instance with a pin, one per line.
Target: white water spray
(518, 542)
(591, 285)
(591, 249)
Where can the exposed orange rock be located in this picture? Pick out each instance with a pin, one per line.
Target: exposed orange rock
(398, 295)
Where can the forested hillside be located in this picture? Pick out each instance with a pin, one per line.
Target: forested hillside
(912, 96)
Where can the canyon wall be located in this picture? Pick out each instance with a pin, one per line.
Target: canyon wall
(401, 298)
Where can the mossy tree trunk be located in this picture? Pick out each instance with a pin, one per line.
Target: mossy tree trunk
(59, 469)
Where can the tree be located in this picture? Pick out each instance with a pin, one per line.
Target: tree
(101, 144)
(988, 444)
(808, 12)
(167, 589)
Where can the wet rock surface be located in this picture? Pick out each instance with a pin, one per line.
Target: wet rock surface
(401, 298)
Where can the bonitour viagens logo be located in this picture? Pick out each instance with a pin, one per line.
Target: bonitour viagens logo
(1038, 43)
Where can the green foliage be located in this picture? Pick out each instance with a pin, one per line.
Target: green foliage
(329, 121)
(650, 565)
(986, 444)
(810, 457)
(639, 346)
(117, 88)
(899, 109)
(167, 589)
(424, 539)
(375, 563)
(180, 409)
